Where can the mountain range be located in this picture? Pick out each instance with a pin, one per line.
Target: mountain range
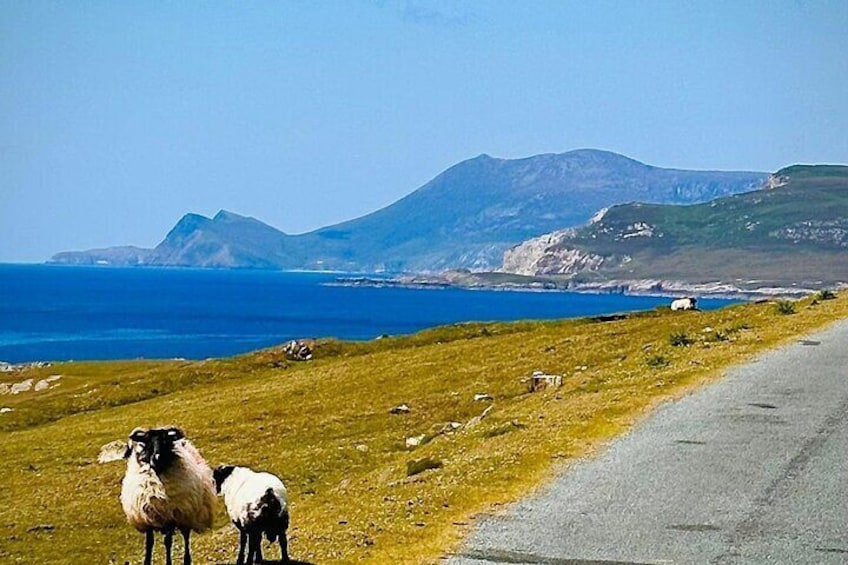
(793, 231)
(466, 217)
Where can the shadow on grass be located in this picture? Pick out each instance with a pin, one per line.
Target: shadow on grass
(273, 562)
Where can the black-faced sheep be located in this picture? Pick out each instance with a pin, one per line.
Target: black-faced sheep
(257, 505)
(167, 487)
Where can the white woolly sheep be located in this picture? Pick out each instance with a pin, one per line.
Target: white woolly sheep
(167, 487)
(257, 504)
(684, 304)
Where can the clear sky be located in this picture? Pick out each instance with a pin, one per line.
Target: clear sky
(116, 118)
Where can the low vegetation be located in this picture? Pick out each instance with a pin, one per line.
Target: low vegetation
(358, 493)
(679, 339)
(824, 294)
(785, 307)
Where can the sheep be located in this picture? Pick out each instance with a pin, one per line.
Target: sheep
(257, 504)
(167, 487)
(684, 304)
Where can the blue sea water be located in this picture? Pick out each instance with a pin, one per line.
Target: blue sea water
(52, 313)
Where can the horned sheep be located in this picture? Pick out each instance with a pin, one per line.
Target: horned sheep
(167, 487)
(257, 504)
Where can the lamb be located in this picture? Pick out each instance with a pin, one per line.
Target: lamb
(167, 487)
(684, 304)
(257, 504)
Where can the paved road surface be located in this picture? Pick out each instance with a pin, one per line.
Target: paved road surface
(752, 469)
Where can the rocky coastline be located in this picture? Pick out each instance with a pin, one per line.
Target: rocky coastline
(522, 283)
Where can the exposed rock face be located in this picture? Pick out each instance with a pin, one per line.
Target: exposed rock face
(775, 181)
(550, 255)
(832, 232)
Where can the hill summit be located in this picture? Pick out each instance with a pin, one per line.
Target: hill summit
(465, 217)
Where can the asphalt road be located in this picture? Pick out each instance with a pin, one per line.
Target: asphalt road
(751, 469)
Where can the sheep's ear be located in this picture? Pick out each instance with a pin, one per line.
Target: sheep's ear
(138, 434)
(175, 433)
(220, 474)
(113, 451)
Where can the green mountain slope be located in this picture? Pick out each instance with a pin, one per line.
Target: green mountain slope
(793, 230)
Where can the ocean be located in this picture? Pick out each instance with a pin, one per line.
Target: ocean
(53, 313)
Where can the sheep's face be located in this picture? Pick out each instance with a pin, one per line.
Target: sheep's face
(220, 475)
(155, 447)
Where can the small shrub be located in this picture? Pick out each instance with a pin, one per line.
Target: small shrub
(657, 362)
(679, 339)
(785, 307)
(824, 294)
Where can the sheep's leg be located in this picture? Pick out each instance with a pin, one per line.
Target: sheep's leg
(259, 547)
(169, 540)
(252, 545)
(284, 548)
(148, 547)
(283, 537)
(186, 545)
(242, 544)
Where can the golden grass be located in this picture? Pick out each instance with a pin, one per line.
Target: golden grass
(325, 428)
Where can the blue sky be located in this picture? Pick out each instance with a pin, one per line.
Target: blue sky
(116, 118)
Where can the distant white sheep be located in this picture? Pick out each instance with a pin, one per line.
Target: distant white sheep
(167, 487)
(684, 304)
(257, 504)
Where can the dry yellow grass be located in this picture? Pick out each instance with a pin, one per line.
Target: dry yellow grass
(325, 428)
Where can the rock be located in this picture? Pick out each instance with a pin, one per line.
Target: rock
(41, 385)
(5, 388)
(482, 397)
(53, 378)
(299, 350)
(450, 427)
(414, 441)
(549, 254)
(477, 419)
(22, 386)
(540, 381)
(6, 410)
(362, 448)
(400, 409)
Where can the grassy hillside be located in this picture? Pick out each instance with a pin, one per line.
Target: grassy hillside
(792, 232)
(325, 427)
(797, 231)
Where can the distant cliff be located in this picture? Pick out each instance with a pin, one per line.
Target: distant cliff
(465, 217)
(792, 231)
(126, 255)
